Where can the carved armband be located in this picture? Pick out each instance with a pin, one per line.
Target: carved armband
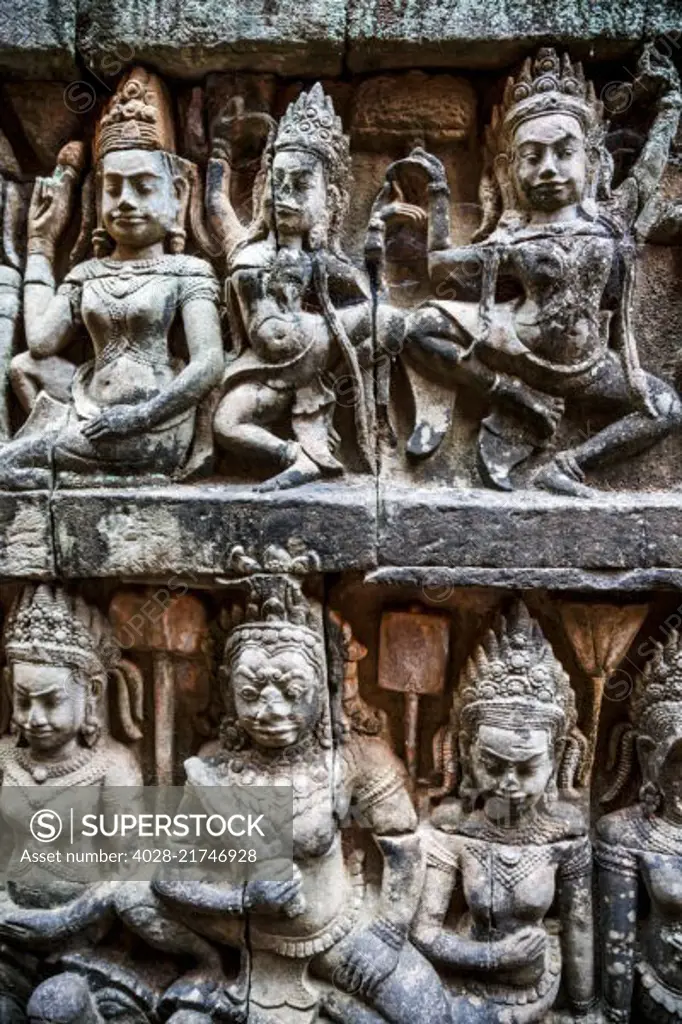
(391, 934)
(579, 862)
(617, 859)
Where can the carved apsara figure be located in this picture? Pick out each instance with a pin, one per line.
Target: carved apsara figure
(509, 848)
(638, 854)
(299, 310)
(62, 657)
(132, 408)
(535, 316)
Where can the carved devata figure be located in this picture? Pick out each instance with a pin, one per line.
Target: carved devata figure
(509, 848)
(328, 924)
(61, 657)
(299, 310)
(535, 315)
(641, 924)
(132, 408)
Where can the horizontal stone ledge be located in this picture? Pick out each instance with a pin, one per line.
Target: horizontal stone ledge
(149, 533)
(437, 584)
(529, 529)
(38, 39)
(190, 38)
(384, 34)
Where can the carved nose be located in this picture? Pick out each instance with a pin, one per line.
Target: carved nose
(548, 169)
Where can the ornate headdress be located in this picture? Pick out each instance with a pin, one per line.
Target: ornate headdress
(515, 671)
(547, 84)
(276, 616)
(47, 625)
(137, 117)
(655, 711)
(514, 677)
(310, 123)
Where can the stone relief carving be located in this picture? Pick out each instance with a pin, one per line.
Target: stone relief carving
(168, 337)
(514, 840)
(638, 851)
(536, 313)
(133, 408)
(533, 319)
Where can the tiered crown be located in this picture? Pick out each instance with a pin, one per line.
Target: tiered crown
(660, 682)
(46, 625)
(276, 611)
(310, 123)
(548, 84)
(515, 670)
(138, 116)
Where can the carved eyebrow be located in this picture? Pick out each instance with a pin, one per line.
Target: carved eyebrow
(533, 756)
(25, 691)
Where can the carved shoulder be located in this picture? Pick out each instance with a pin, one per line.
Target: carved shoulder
(377, 782)
(123, 768)
(620, 828)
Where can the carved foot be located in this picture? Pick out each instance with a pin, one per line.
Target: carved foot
(563, 476)
(302, 471)
(347, 1010)
(32, 479)
(200, 993)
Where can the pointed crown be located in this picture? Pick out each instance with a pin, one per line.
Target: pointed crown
(310, 123)
(47, 625)
(549, 84)
(515, 669)
(659, 686)
(138, 116)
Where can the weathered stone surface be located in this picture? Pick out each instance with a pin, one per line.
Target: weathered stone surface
(410, 33)
(25, 536)
(438, 584)
(191, 531)
(38, 40)
(530, 530)
(191, 39)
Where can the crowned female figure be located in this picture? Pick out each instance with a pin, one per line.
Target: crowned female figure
(535, 316)
(508, 849)
(62, 657)
(638, 854)
(131, 408)
(299, 310)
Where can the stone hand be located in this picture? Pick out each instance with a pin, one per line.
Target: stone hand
(367, 961)
(521, 949)
(53, 198)
(237, 132)
(656, 72)
(432, 166)
(277, 896)
(29, 926)
(116, 421)
(641, 394)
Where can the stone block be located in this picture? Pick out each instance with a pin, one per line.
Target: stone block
(190, 531)
(38, 39)
(529, 530)
(475, 34)
(26, 536)
(190, 39)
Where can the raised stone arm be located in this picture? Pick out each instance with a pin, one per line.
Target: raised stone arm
(657, 71)
(48, 317)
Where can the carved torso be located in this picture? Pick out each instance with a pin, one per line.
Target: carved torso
(128, 309)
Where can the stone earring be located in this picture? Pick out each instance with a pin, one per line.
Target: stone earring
(650, 798)
(177, 238)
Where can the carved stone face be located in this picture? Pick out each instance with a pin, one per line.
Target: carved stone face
(49, 705)
(276, 695)
(139, 201)
(299, 193)
(549, 162)
(511, 769)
